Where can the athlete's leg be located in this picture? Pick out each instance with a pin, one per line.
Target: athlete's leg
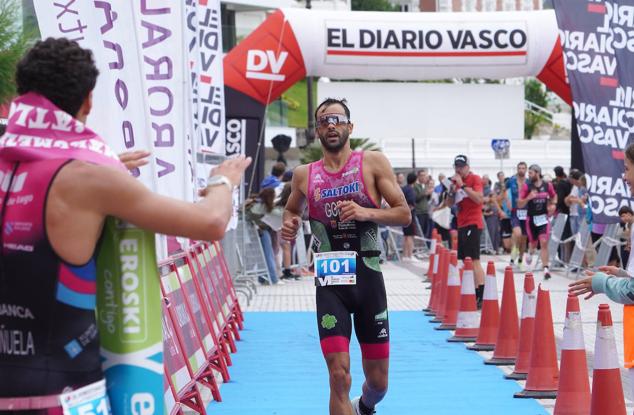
(375, 385)
(340, 383)
(335, 327)
(478, 272)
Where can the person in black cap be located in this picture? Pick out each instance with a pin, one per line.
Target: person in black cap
(535, 196)
(466, 193)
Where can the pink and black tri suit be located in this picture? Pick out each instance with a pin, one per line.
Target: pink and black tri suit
(537, 223)
(366, 300)
(48, 331)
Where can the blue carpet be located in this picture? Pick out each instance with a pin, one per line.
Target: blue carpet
(279, 370)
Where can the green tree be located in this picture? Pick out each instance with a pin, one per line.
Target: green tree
(313, 152)
(373, 6)
(13, 43)
(536, 93)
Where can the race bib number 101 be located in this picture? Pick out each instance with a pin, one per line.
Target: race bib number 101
(335, 268)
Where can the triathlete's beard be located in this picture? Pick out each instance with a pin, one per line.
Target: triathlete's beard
(334, 147)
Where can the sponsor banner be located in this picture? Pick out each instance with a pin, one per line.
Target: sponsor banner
(598, 44)
(206, 95)
(293, 43)
(127, 300)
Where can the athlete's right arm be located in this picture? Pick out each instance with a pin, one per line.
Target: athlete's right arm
(110, 192)
(292, 218)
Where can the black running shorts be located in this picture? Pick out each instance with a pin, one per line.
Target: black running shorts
(367, 303)
(469, 242)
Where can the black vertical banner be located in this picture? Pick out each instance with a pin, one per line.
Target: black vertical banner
(598, 43)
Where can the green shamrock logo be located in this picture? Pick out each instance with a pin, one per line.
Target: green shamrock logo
(328, 322)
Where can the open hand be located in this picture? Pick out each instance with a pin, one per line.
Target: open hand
(134, 159)
(232, 168)
(583, 286)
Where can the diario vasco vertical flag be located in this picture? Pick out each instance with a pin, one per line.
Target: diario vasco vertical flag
(598, 43)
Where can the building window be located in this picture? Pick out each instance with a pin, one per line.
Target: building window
(489, 5)
(444, 5)
(527, 4)
(404, 7)
(469, 5)
(509, 5)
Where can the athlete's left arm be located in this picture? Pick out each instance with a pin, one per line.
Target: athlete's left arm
(398, 214)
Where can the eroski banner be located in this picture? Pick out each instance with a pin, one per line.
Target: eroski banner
(598, 44)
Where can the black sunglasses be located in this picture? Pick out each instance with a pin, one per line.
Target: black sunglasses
(336, 119)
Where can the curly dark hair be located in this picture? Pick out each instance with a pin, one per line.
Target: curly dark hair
(60, 70)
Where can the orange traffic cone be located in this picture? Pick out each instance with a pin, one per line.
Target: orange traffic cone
(452, 299)
(490, 318)
(573, 397)
(468, 322)
(607, 389)
(505, 350)
(435, 290)
(529, 301)
(430, 277)
(454, 239)
(443, 273)
(433, 248)
(543, 374)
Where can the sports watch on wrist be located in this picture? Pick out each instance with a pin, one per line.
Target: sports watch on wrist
(218, 179)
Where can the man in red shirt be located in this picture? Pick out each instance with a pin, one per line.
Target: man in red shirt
(467, 195)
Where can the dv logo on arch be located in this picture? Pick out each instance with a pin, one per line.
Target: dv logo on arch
(264, 65)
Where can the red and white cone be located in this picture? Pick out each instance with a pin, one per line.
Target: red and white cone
(505, 351)
(430, 275)
(443, 273)
(543, 374)
(435, 290)
(490, 317)
(452, 299)
(468, 322)
(527, 324)
(607, 389)
(573, 397)
(433, 248)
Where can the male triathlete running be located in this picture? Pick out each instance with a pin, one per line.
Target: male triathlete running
(535, 196)
(344, 191)
(518, 216)
(59, 182)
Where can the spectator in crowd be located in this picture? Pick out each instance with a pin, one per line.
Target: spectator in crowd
(491, 214)
(274, 179)
(258, 211)
(285, 246)
(410, 230)
(441, 209)
(563, 187)
(500, 183)
(423, 195)
(466, 193)
(576, 201)
(400, 179)
(627, 219)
